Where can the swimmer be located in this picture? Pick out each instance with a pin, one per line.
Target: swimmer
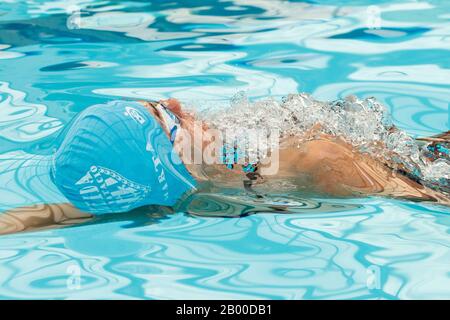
(119, 156)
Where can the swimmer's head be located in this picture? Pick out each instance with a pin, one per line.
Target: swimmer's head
(116, 157)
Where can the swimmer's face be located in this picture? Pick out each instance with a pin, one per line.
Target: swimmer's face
(172, 104)
(186, 118)
(175, 107)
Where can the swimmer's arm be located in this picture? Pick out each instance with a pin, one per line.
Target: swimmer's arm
(40, 216)
(335, 168)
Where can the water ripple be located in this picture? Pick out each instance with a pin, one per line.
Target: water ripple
(53, 64)
(22, 121)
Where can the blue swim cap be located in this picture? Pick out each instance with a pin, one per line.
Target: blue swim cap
(115, 157)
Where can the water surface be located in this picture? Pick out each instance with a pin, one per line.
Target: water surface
(59, 57)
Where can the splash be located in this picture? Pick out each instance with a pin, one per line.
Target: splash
(363, 123)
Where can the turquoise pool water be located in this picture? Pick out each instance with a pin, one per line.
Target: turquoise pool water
(59, 57)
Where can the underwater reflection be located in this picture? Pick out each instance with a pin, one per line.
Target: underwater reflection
(222, 205)
(51, 216)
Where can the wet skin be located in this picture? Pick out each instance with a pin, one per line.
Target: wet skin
(325, 165)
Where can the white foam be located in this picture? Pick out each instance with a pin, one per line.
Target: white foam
(364, 123)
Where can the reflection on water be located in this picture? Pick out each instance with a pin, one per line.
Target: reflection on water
(261, 256)
(204, 52)
(221, 205)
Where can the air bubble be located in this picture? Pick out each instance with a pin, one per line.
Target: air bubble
(364, 123)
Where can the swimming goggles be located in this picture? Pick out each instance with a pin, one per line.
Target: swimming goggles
(170, 120)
